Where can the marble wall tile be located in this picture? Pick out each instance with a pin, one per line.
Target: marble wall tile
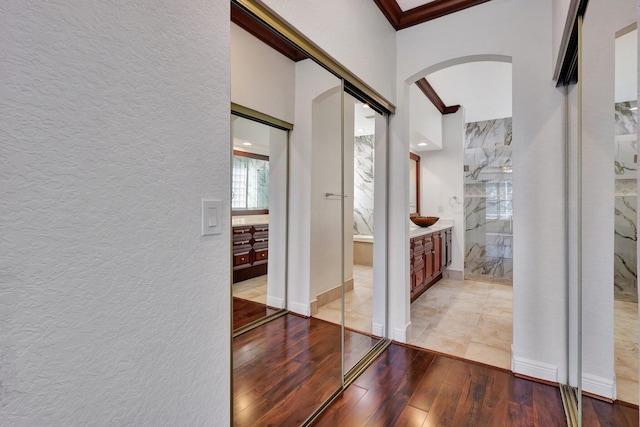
(626, 118)
(363, 185)
(488, 218)
(625, 224)
(487, 150)
(625, 248)
(626, 150)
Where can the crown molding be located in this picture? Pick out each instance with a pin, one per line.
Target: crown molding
(400, 20)
(431, 94)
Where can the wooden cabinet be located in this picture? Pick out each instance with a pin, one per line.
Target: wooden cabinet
(429, 255)
(250, 251)
(446, 247)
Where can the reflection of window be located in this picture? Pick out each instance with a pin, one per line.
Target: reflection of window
(250, 182)
(499, 196)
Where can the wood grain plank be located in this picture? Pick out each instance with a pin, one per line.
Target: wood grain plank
(589, 414)
(547, 406)
(340, 406)
(496, 399)
(429, 386)
(407, 379)
(444, 406)
(470, 406)
(411, 417)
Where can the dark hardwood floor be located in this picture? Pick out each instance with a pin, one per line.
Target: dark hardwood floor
(245, 312)
(285, 369)
(410, 387)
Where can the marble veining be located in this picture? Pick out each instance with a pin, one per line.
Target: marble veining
(626, 118)
(625, 224)
(363, 185)
(488, 201)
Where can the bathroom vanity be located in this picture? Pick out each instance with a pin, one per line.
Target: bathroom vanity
(430, 254)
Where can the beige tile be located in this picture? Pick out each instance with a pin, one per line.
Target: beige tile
(465, 306)
(433, 340)
(506, 312)
(466, 319)
(359, 323)
(494, 356)
(446, 326)
(329, 314)
(627, 390)
(493, 335)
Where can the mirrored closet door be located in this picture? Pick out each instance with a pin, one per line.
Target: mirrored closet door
(259, 219)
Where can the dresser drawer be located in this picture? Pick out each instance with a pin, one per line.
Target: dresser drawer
(261, 257)
(242, 229)
(241, 239)
(241, 260)
(262, 227)
(261, 236)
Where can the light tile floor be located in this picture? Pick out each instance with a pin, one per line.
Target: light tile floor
(467, 319)
(626, 350)
(358, 303)
(254, 289)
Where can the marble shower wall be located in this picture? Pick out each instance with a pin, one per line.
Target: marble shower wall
(363, 185)
(488, 201)
(625, 264)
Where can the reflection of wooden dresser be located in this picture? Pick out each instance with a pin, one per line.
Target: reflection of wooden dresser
(429, 255)
(250, 251)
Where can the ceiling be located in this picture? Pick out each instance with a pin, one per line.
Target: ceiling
(482, 88)
(403, 14)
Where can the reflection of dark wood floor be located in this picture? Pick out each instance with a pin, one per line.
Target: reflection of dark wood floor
(409, 387)
(285, 369)
(245, 312)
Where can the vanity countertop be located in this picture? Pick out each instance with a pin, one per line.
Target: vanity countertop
(415, 231)
(249, 220)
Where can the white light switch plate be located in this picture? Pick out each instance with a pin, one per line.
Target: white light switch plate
(211, 217)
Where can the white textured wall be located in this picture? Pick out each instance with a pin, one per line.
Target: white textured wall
(425, 121)
(519, 29)
(441, 178)
(262, 78)
(354, 32)
(115, 122)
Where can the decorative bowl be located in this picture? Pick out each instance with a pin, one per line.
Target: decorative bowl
(424, 221)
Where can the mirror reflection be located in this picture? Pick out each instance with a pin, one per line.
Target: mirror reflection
(259, 182)
(250, 182)
(625, 219)
(414, 184)
(292, 236)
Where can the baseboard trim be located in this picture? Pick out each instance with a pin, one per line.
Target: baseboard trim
(402, 334)
(377, 329)
(301, 309)
(599, 386)
(453, 274)
(324, 298)
(534, 369)
(275, 302)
